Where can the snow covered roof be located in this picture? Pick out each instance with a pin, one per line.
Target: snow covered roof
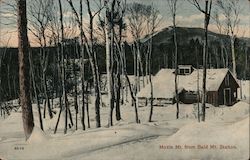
(162, 85)
(163, 82)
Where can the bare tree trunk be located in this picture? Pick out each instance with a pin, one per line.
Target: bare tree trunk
(198, 83)
(204, 80)
(8, 75)
(151, 98)
(227, 57)
(216, 57)
(110, 57)
(122, 77)
(173, 7)
(70, 117)
(232, 39)
(138, 86)
(60, 88)
(35, 91)
(133, 98)
(147, 72)
(97, 102)
(82, 66)
(45, 87)
(59, 115)
(122, 52)
(83, 91)
(207, 13)
(246, 63)
(176, 70)
(118, 92)
(150, 80)
(23, 48)
(45, 59)
(83, 103)
(205, 52)
(63, 68)
(64, 90)
(94, 66)
(142, 71)
(87, 103)
(54, 81)
(124, 66)
(75, 86)
(240, 88)
(135, 64)
(222, 54)
(108, 61)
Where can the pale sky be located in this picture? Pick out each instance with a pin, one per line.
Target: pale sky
(187, 16)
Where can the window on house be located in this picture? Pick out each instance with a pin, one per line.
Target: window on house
(186, 71)
(235, 95)
(181, 71)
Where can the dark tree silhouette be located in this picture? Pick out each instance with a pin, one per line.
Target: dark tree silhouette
(23, 54)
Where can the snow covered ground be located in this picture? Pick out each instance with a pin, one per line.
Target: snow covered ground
(224, 135)
(245, 92)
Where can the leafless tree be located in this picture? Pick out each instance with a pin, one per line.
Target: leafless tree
(109, 18)
(114, 25)
(136, 22)
(89, 46)
(153, 21)
(121, 51)
(207, 13)
(23, 48)
(119, 39)
(40, 17)
(35, 89)
(221, 30)
(230, 10)
(172, 4)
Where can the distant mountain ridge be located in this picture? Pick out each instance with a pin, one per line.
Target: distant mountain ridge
(185, 34)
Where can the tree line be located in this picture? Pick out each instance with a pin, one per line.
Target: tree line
(67, 53)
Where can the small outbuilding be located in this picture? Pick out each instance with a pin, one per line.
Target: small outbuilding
(221, 87)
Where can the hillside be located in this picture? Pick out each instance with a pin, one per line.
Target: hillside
(190, 39)
(185, 34)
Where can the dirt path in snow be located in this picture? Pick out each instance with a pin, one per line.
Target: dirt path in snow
(80, 153)
(134, 143)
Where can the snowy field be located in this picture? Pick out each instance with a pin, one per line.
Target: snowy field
(224, 135)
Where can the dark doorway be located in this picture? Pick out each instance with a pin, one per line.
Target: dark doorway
(227, 96)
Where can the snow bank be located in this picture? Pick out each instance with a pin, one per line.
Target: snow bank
(233, 113)
(38, 136)
(12, 126)
(230, 141)
(216, 114)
